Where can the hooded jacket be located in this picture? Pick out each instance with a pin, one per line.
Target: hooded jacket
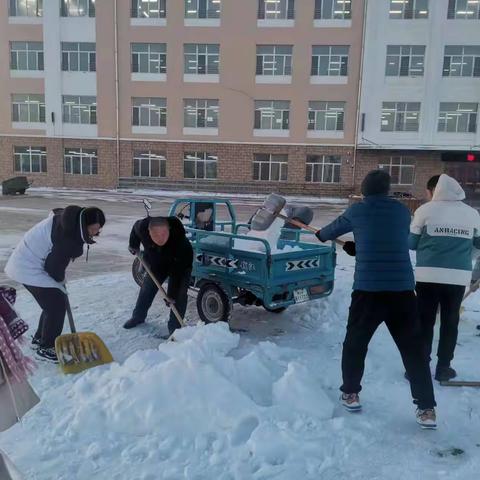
(173, 260)
(43, 254)
(444, 232)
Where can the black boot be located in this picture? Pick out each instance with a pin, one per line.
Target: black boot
(444, 374)
(133, 322)
(47, 354)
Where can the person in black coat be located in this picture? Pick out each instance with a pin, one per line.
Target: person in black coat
(169, 254)
(40, 260)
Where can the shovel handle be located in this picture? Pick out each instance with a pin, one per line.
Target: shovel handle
(163, 294)
(299, 224)
(70, 315)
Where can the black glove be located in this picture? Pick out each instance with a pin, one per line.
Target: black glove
(134, 251)
(317, 234)
(349, 248)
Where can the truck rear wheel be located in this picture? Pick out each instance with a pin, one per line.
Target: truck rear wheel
(213, 304)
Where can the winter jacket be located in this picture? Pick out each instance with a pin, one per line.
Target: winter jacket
(42, 256)
(380, 226)
(444, 232)
(174, 259)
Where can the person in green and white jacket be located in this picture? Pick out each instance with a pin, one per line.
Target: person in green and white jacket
(444, 232)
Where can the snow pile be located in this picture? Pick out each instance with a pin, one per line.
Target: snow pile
(191, 405)
(271, 235)
(226, 406)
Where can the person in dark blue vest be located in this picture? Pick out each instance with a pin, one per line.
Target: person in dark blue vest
(383, 291)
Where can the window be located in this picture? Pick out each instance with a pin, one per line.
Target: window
(28, 108)
(400, 116)
(201, 59)
(276, 9)
(463, 9)
(81, 161)
(461, 61)
(78, 57)
(408, 9)
(333, 9)
(458, 117)
(199, 113)
(149, 112)
(272, 114)
(327, 116)
(77, 8)
(202, 8)
(405, 61)
(200, 165)
(26, 8)
(149, 57)
(30, 159)
(26, 55)
(400, 169)
(274, 60)
(81, 110)
(149, 164)
(149, 9)
(329, 61)
(270, 168)
(323, 169)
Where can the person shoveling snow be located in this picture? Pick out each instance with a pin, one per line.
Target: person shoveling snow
(383, 291)
(39, 263)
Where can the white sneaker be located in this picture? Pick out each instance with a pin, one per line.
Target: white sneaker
(427, 418)
(351, 401)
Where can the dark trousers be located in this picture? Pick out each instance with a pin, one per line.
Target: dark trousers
(53, 305)
(149, 290)
(449, 298)
(399, 312)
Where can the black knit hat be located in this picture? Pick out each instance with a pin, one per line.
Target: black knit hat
(377, 182)
(94, 215)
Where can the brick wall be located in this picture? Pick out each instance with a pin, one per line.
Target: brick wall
(55, 176)
(427, 164)
(235, 166)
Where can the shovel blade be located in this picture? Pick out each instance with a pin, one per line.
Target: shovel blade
(269, 211)
(77, 352)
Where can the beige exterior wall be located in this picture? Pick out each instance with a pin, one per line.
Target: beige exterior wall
(235, 145)
(8, 86)
(238, 36)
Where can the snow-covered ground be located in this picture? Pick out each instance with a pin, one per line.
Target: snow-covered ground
(261, 404)
(114, 195)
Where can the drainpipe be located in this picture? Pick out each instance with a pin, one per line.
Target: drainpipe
(360, 81)
(117, 120)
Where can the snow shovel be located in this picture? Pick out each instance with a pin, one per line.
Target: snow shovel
(77, 352)
(163, 294)
(271, 209)
(460, 383)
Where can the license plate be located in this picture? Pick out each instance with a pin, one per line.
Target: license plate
(301, 295)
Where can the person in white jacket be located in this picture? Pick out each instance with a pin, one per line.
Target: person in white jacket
(444, 232)
(39, 262)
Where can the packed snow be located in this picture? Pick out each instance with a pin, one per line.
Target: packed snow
(115, 195)
(220, 405)
(270, 235)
